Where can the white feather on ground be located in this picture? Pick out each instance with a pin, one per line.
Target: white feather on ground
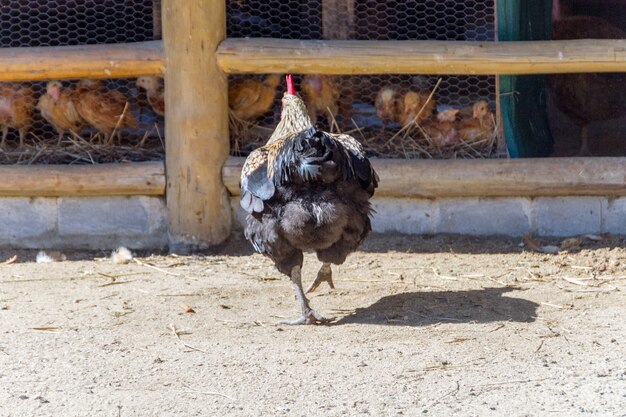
(53, 256)
(121, 256)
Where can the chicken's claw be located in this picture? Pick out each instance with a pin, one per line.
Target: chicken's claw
(309, 317)
(325, 274)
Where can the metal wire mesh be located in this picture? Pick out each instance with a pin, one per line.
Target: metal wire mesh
(373, 20)
(32, 23)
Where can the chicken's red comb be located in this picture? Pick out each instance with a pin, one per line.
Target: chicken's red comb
(290, 89)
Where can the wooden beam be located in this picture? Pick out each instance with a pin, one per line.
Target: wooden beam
(261, 56)
(137, 178)
(124, 60)
(487, 177)
(196, 124)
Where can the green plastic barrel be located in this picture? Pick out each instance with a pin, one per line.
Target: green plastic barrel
(523, 97)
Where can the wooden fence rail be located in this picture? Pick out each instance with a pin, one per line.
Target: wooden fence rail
(138, 178)
(322, 57)
(420, 57)
(401, 178)
(123, 60)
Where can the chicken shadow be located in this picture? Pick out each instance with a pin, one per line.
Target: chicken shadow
(426, 308)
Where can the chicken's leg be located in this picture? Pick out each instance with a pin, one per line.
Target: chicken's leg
(5, 132)
(584, 145)
(325, 274)
(309, 316)
(23, 131)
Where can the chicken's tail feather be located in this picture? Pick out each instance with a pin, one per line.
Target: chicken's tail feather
(309, 158)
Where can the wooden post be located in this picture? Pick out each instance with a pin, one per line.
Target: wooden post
(338, 23)
(196, 124)
(338, 19)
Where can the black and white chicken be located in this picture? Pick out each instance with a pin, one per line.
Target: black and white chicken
(306, 190)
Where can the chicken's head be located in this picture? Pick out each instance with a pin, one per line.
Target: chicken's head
(312, 85)
(148, 83)
(412, 101)
(387, 100)
(90, 84)
(53, 88)
(448, 115)
(294, 117)
(293, 106)
(480, 109)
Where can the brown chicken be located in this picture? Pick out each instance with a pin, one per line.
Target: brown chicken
(321, 96)
(480, 126)
(586, 97)
(155, 91)
(441, 130)
(415, 108)
(250, 98)
(102, 108)
(57, 107)
(16, 108)
(466, 112)
(387, 104)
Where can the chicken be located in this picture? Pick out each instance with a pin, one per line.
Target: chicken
(321, 96)
(466, 112)
(155, 91)
(588, 97)
(57, 107)
(415, 108)
(480, 126)
(16, 109)
(441, 129)
(387, 104)
(250, 98)
(102, 108)
(306, 189)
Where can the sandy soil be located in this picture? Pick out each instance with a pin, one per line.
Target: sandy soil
(436, 326)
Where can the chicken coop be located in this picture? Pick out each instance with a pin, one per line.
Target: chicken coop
(189, 88)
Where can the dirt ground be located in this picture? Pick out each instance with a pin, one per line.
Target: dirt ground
(439, 326)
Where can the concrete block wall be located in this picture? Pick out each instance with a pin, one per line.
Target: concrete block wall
(83, 222)
(140, 222)
(543, 216)
(511, 216)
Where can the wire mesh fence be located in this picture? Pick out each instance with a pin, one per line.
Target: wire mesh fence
(34, 23)
(349, 103)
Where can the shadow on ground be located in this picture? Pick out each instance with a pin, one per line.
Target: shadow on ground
(426, 308)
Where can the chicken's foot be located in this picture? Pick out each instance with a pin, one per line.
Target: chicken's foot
(309, 316)
(325, 274)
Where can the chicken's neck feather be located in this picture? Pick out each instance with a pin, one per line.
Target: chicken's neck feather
(294, 119)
